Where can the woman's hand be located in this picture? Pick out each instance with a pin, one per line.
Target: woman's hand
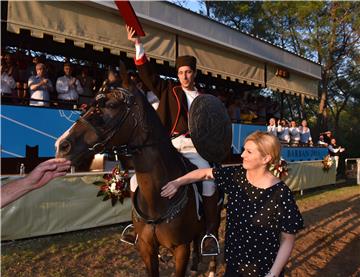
(170, 189)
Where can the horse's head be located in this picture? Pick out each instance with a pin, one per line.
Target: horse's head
(112, 120)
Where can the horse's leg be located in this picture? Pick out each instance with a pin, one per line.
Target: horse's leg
(195, 255)
(212, 266)
(182, 254)
(149, 254)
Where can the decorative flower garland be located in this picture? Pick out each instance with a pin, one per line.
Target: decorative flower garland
(279, 170)
(327, 162)
(115, 186)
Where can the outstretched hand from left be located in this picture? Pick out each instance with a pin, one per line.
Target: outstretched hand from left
(46, 171)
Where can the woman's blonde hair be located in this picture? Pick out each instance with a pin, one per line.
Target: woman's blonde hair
(267, 144)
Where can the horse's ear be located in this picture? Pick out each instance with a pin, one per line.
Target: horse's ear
(123, 74)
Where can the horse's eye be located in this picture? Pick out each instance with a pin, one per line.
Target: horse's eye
(111, 105)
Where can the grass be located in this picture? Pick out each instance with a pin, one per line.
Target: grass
(326, 191)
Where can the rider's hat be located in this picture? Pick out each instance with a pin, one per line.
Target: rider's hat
(185, 61)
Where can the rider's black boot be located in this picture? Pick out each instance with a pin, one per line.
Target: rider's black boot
(209, 243)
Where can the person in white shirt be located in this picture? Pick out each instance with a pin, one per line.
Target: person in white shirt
(305, 135)
(283, 131)
(322, 142)
(271, 128)
(335, 151)
(68, 87)
(7, 83)
(294, 133)
(40, 87)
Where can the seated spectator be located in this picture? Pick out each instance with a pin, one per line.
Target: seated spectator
(68, 87)
(271, 128)
(294, 134)
(334, 151)
(7, 85)
(322, 142)
(40, 87)
(305, 135)
(88, 84)
(150, 96)
(283, 131)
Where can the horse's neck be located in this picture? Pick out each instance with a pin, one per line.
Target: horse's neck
(154, 167)
(156, 161)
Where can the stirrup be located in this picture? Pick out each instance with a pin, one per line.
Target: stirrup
(217, 245)
(123, 235)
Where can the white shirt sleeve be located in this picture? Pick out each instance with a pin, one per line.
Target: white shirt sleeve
(11, 82)
(62, 85)
(79, 88)
(140, 52)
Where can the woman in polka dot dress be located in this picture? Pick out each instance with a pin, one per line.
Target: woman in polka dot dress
(262, 216)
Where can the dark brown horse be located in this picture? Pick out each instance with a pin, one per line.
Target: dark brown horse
(122, 116)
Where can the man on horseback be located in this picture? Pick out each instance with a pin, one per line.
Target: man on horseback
(173, 110)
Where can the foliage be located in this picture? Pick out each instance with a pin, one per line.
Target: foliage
(327, 32)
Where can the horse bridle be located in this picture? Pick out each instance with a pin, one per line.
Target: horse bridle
(100, 147)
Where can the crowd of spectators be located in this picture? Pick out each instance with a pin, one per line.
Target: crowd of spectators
(246, 107)
(39, 82)
(289, 133)
(292, 135)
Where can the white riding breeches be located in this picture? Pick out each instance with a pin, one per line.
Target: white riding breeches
(186, 147)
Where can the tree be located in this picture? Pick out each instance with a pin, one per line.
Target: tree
(327, 32)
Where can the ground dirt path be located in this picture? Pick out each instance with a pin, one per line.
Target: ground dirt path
(328, 246)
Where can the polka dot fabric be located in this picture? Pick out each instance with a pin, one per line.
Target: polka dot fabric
(254, 220)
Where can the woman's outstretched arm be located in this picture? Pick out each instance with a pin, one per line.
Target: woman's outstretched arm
(201, 174)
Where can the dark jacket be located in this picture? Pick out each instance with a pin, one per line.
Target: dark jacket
(172, 109)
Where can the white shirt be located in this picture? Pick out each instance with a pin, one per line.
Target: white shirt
(65, 92)
(152, 99)
(272, 130)
(294, 133)
(283, 133)
(190, 96)
(7, 83)
(305, 136)
(41, 93)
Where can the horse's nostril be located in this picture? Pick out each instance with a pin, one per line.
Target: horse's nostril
(65, 146)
